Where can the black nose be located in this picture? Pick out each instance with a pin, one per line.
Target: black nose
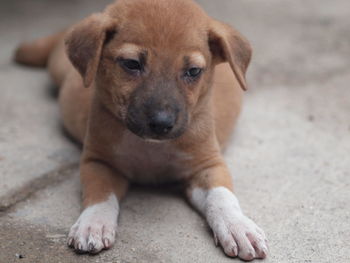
(162, 122)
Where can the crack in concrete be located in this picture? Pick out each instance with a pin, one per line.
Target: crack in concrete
(48, 179)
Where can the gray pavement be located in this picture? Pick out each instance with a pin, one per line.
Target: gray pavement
(289, 156)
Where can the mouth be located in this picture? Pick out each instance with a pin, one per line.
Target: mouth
(150, 137)
(148, 134)
(153, 140)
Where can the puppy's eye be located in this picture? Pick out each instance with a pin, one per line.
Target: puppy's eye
(193, 72)
(130, 65)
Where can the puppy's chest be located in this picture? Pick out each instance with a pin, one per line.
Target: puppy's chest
(149, 162)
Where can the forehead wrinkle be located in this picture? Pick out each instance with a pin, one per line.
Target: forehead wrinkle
(129, 50)
(196, 58)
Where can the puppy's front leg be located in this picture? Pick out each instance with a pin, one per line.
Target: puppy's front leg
(210, 191)
(103, 188)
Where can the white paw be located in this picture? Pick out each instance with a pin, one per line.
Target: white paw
(236, 233)
(239, 236)
(95, 228)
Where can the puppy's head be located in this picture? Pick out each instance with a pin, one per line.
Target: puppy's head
(152, 62)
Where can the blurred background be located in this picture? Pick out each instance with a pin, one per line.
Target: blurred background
(289, 156)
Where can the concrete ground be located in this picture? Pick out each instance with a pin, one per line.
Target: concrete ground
(289, 156)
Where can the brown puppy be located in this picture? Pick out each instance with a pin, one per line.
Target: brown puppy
(156, 107)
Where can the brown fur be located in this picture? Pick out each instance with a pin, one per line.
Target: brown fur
(96, 116)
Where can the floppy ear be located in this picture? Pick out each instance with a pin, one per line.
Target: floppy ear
(228, 45)
(85, 42)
